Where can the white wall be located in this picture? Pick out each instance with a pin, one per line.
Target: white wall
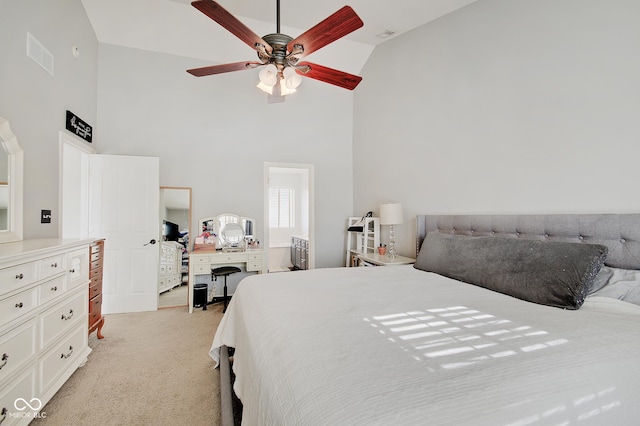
(528, 106)
(35, 102)
(215, 133)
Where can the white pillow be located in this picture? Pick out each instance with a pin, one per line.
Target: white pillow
(621, 284)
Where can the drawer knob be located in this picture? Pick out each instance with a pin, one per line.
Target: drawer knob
(67, 317)
(19, 305)
(54, 265)
(54, 288)
(67, 355)
(73, 271)
(19, 276)
(5, 359)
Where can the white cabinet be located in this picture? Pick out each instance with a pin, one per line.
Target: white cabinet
(43, 321)
(170, 274)
(365, 242)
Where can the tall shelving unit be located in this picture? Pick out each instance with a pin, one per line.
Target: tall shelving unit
(366, 241)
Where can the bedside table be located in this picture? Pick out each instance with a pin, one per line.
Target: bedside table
(371, 259)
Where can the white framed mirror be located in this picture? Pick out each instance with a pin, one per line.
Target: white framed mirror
(231, 230)
(11, 184)
(175, 245)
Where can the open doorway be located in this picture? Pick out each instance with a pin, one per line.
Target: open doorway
(288, 207)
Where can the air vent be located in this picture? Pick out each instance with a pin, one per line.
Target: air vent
(39, 53)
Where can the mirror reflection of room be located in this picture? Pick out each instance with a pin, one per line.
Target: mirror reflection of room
(175, 212)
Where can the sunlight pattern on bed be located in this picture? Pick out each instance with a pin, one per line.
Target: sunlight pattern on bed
(466, 335)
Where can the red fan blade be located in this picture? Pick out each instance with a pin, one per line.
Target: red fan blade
(219, 69)
(336, 26)
(216, 12)
(329, 75)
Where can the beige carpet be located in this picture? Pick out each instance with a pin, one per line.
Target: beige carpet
(152, 368)
(174, 297)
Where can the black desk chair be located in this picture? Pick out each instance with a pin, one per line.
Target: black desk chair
(223, 271)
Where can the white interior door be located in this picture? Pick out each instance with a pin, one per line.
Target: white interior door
(124, 200)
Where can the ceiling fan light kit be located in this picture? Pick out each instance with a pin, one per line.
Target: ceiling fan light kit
(280, 54)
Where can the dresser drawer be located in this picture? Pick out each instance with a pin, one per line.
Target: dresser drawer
(229, 258)
(17, 276)
(51, 266)
(201, 269)
(95, 288)
(95, 309)
(57, 320)
(95, 273)
(254, 266)
(95, 257)
(49, 290)
(17, 348)
(23, 387)
(200, 260)
(256, 257)
(97, 247)
(95, 264)
(18, 305)
(62, 357)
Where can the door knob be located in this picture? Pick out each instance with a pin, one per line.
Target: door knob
(151, 242)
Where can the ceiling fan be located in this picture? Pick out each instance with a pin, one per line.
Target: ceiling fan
(280, 54)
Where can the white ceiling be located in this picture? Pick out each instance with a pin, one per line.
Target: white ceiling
(176, 27)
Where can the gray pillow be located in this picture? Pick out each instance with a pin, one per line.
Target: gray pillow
(621, 284)
(545, 272)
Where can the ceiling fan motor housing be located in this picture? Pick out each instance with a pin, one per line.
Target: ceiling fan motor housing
(278, 57)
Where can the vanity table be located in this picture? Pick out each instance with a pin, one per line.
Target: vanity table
(202, 260)
(205, 256)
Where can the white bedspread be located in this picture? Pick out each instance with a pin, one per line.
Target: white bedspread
(399, 346)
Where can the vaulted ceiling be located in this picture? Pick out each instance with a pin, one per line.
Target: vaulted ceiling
(175, 27)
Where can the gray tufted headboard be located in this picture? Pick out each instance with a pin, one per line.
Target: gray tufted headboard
(619, 232)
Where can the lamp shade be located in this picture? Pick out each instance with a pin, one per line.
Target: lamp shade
(269, 75)
(391, 214)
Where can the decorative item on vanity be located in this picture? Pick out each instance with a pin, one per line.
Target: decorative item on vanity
(280, 53)
(382, 249)
(391, 214)
(206, 240)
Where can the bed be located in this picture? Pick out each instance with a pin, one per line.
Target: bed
(403, 345)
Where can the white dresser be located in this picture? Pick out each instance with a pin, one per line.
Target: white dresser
(170, 265)
(43, 322)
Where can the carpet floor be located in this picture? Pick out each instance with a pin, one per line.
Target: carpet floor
(151, 368)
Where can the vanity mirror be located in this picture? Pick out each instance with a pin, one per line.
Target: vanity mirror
(11, 170)
(233, 232)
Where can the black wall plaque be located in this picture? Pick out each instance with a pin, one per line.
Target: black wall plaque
(78, 127)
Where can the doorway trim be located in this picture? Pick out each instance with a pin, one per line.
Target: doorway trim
(310, 170)
(73, 185)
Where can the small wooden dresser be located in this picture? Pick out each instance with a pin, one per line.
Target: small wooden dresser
(96, 255)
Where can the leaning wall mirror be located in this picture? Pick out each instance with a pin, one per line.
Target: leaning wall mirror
(11, 170)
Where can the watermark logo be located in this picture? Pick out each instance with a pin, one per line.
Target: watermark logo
(27, 409)
(22, 404)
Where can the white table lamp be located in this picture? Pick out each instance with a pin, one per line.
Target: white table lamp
(391, 214)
